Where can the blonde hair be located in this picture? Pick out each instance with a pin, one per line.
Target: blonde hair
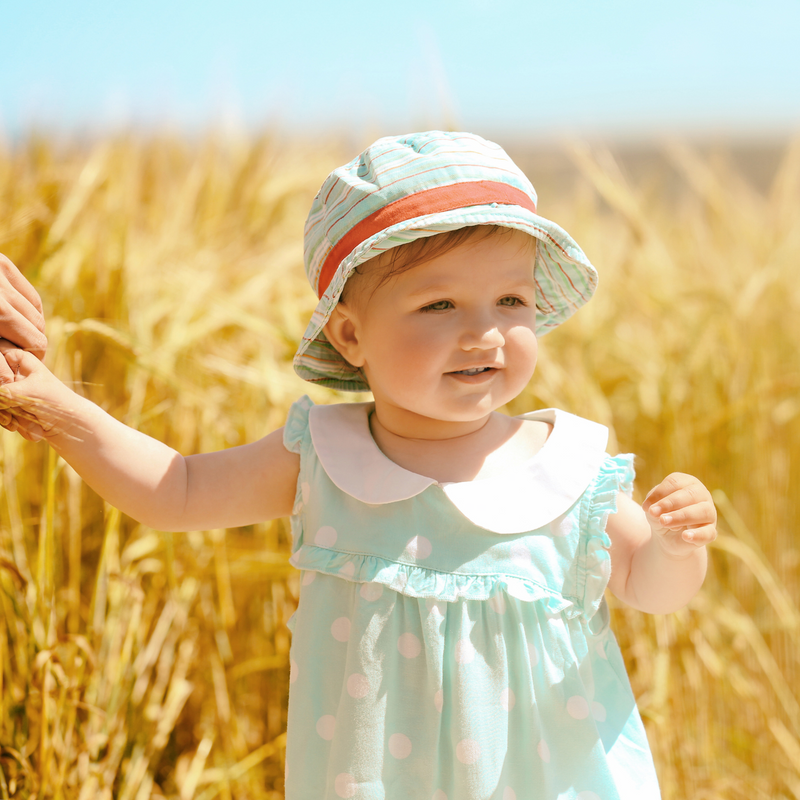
(368, 277)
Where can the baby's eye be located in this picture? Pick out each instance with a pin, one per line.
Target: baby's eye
(439, 305)
(511, 301)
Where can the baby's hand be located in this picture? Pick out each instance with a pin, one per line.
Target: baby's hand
(681, 514)
(32, 400)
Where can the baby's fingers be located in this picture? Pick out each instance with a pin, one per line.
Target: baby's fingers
(694, 495)
(700, 536)
(693, 516)
(27, 428)
(7, 420)
(674, 492)
(6, 370)
(31, 430)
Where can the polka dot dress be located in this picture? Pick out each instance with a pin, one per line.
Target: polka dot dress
(433, 659)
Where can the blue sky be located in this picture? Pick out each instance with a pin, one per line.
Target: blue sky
(564, 67)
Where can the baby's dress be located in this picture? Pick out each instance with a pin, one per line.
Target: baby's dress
(451, 640)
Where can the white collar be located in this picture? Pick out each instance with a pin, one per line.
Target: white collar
(523, 499)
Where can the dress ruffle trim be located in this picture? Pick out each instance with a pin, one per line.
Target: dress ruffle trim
(295, 432)
(420, 582)
(296, 427)
(616, 475)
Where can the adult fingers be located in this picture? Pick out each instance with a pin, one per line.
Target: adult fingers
(22, 324)
(21, 316)
(11, 274)
(14, 354)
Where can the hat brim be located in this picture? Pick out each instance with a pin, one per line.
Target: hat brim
(565, 281)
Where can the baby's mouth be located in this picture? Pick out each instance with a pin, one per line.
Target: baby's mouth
(475, 371)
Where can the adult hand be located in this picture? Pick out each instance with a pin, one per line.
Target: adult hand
(21, 315)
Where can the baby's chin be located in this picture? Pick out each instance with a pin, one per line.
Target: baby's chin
(456, 412)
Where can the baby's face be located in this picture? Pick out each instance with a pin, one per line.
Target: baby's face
(454, 338)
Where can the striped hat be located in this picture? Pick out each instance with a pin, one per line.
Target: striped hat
(405, 187)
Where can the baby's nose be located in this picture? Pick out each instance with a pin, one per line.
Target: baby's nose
(482, 334)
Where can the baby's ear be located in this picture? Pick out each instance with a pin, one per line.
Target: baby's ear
(342, 331)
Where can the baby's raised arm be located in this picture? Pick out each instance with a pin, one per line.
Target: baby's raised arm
(658, 553)
(142, 477)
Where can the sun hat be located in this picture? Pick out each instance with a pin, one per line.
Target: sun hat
(403, 188)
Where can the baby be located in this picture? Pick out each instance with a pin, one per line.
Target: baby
(451, 640)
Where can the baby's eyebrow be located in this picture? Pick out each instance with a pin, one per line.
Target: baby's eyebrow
(447, 288)
(522, 283)
(432, 287)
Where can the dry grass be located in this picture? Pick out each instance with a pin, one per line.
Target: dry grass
(137, 664)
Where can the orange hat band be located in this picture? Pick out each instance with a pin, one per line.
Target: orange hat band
(419, 204)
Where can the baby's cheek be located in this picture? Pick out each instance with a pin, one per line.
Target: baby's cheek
(416, 349)
(524, 348)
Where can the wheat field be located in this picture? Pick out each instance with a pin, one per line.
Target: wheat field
(139, 664)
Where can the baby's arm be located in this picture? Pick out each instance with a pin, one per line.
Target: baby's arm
(142, 477)
(658, 554)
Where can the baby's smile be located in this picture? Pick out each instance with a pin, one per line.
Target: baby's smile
(473, 371)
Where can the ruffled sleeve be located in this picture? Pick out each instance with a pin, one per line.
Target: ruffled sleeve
(594, 561)
(296, 427)
(297, 439)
